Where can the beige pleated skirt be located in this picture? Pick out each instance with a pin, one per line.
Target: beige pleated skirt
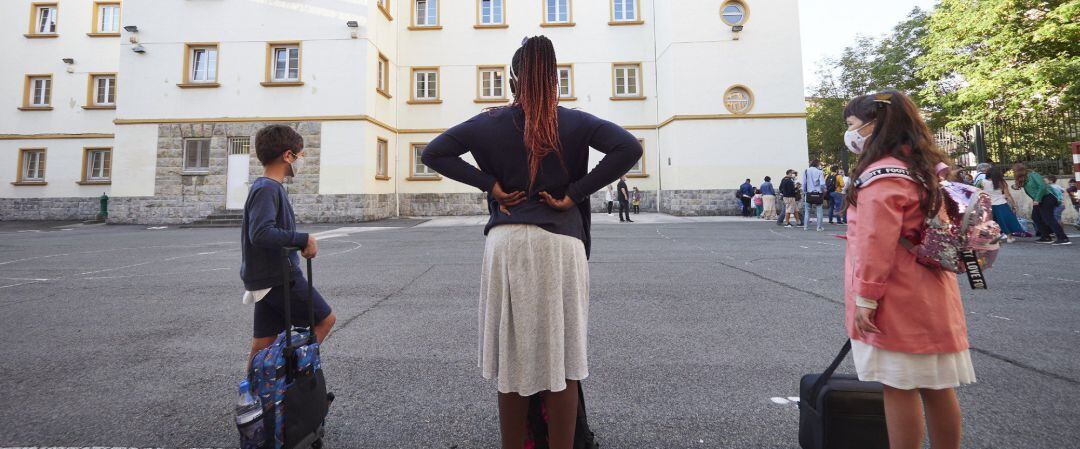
(907, 371)
(534, 309)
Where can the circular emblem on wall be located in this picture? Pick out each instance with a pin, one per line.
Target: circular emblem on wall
(733, 12)
(738, 99)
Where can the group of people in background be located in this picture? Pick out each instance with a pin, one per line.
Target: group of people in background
(1048, 201)
(792, 203)
(792, 199)
(629, 200)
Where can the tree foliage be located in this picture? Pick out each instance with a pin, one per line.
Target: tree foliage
(964, 62)
(995, 59)
(869, 65)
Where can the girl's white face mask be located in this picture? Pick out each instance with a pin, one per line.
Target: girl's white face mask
(855, 141)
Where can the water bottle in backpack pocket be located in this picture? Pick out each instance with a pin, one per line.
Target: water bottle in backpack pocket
(249, 418)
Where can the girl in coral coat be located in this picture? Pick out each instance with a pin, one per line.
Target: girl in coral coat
(906, 320)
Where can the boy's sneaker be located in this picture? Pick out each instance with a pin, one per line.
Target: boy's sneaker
(1044, 240)
(1062, 243)
(788, 225)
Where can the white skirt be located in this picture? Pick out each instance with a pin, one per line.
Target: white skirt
(907, 371)
(534, 309)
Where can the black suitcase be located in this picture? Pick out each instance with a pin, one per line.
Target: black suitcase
(840, 411)
(537, 428)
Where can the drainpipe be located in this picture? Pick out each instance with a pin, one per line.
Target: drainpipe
(656, 81)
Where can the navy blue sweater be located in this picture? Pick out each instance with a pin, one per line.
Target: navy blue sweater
(495, 139)
(269, 225)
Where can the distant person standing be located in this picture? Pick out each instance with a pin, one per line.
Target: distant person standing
(746, 192)
(624, 200)
(799, 202)
(635, 200)
(1045, 201)
(981, 172)
(768, 199)
(814, 189)
(1074, 196)
(834, 185)
(610, 199)
(843, 193)
(1002, 203)
(1051, 181)
(787, 190)
(758, 206)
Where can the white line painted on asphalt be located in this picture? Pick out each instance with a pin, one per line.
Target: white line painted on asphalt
(155, 228)
(21, 283)
(1000, 317)
(30, 230)
(1066, 280)
(99, 251)
(173, 273)
(342, 232)
(779, 400)
(117, 268)
(793, 398)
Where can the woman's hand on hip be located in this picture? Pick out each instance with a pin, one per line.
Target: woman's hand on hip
(565, 203)
(864, 322)
(506, 200)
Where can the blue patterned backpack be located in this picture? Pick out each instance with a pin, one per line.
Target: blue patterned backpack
(287, 378)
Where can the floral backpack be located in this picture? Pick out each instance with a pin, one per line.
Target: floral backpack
(962, 238)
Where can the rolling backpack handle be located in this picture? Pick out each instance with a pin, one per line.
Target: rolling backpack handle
(286, 269)
(829, 371)
(311, 305)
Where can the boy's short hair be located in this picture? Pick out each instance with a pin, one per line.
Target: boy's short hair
(274, 140)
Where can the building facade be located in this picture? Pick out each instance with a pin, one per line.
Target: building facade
(160, 101)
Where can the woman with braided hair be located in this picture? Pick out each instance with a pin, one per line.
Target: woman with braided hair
(533, 159)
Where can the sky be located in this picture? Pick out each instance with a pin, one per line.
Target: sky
(830, 25)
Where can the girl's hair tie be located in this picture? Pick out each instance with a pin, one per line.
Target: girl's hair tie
(882, 100)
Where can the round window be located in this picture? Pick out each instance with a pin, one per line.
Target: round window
(738, 100)
(733, 13)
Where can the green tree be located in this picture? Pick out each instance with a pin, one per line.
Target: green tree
(870, 65)
(991, 59)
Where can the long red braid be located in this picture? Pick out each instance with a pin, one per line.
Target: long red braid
(538, 96)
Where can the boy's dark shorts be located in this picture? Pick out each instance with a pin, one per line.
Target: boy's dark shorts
(270, 311)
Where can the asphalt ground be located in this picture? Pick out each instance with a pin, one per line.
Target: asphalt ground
(699, 332)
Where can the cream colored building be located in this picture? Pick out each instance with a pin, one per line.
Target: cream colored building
(712, 88)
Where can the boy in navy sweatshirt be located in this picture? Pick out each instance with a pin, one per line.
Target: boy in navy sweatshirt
(268, 226)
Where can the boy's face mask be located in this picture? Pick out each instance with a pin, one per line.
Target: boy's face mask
(297, 165)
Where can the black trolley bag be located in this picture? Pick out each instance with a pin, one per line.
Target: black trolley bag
(537, 427)
(305, 402)
(840, 411)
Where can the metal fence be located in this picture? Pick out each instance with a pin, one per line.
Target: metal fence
(1041, 141)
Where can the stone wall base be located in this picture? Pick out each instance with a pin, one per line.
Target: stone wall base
(309, 208)
(72, 208)
(441, 204)
(598, 202)
(699, 202)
